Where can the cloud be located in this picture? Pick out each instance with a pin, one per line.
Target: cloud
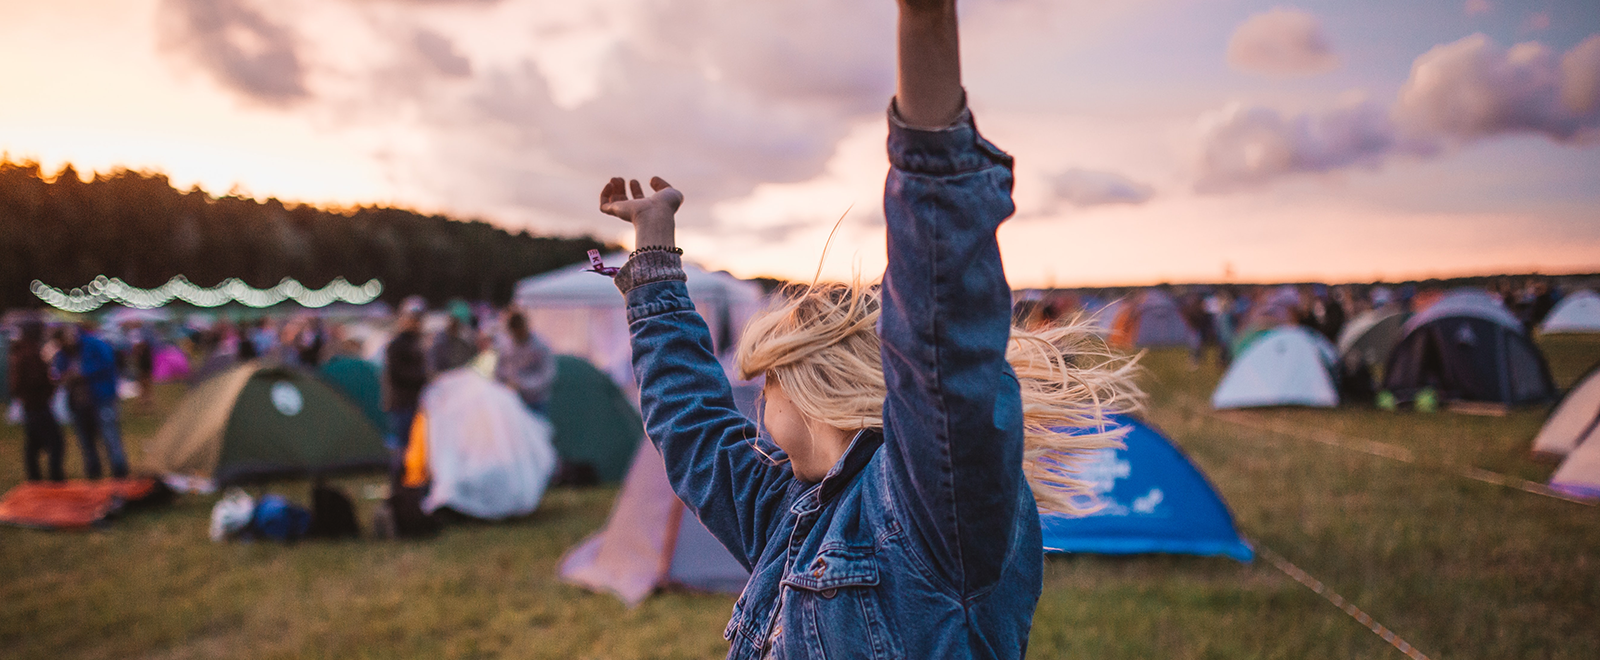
(1473, 89)
(1457, 94)
(442, 55)
(1282, 42)
(1083, 188)
(1537, 21)
(237, 44)
(1246, 146)
(1476, 7)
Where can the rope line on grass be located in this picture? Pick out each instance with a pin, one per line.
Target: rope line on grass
(1340, 602)
(1398, 453)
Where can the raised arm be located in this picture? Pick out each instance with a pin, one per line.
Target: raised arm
(952, 418)
(686, 399)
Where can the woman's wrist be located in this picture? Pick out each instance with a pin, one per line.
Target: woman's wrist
(656, 232)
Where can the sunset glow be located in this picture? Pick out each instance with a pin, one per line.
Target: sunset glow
(1155, 140)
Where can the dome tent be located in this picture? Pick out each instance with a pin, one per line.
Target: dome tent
(1577, 312)
(650, 541)
(1153, 321)
(258, 421)
(1372, 335)
(594, 421)
(1468, 347)
(1287, 366)
(1155, 499)
(1575, 420)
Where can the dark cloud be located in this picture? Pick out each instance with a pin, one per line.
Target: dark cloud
(1458, 93)
(237, 44)
(1282, 42)
(1083, 188)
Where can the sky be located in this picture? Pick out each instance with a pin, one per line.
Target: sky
(1155, 140)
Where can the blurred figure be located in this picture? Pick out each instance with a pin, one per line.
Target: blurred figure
(87, 366)
(308, 343)
(525, 364)
(142, 359)
(454, 347)
(30, 384)
(405, 373)
(1218, 305)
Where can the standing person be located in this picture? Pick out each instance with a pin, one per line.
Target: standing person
(901, 517)
(88, 367)
(405, 373)
(30, 383)
(526, 364)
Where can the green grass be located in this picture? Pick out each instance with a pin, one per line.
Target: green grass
(1460, 568)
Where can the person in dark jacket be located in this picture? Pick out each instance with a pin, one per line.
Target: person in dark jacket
(405, 373)
(31, 385)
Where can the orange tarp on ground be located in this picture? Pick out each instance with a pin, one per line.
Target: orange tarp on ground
(70, 504)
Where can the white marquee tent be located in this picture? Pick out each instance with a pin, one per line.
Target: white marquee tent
(578, 312)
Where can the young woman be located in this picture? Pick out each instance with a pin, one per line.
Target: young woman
(919, 432)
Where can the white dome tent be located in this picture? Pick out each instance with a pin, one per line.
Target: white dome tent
(1287, 366)
(1577, 312)
(578, 312)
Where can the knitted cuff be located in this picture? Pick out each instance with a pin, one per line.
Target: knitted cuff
(647, 267)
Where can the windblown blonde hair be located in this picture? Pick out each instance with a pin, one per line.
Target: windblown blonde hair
(820, 343)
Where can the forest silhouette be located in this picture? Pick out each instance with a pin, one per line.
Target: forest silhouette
(134, 225)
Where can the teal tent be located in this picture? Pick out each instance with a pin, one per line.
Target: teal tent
(359, 381)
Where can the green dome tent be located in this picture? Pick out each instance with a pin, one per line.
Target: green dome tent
(256, 421)
(594, 421)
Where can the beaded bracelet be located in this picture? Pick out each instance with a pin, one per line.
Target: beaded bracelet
(655, 248)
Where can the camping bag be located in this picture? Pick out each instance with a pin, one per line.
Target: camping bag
(277, 519)
(333, 515)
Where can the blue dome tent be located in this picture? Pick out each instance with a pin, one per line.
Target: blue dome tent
(1155, 501)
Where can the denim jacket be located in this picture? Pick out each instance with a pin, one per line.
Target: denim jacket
(923, 540)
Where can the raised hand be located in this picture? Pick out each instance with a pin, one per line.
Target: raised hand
(653, 217)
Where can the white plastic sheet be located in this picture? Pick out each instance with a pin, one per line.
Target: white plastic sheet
(489, 456)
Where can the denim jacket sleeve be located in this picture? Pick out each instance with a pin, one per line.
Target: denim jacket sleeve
(953, 414)
(689, 411)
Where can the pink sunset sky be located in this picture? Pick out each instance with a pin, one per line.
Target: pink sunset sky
(1156, 140)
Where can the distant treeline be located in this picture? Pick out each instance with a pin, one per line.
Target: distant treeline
(136, 226)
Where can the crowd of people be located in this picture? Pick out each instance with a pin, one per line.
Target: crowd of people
(76, 376)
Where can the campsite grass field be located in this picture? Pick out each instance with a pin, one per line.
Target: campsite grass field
(1459, 568)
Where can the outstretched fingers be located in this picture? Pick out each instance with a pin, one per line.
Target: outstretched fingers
(638, 192)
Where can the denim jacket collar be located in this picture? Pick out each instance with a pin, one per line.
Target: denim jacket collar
(861, 450)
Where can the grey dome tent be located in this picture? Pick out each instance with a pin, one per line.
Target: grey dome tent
(1371, 336)
(257, 421)
(1468, 347)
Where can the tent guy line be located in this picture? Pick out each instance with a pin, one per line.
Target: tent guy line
(1401, 454)
(1338, 601)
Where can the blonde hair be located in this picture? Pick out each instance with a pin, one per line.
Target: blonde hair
(820, 343)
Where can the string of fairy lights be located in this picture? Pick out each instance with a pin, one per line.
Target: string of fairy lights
(110, 289)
